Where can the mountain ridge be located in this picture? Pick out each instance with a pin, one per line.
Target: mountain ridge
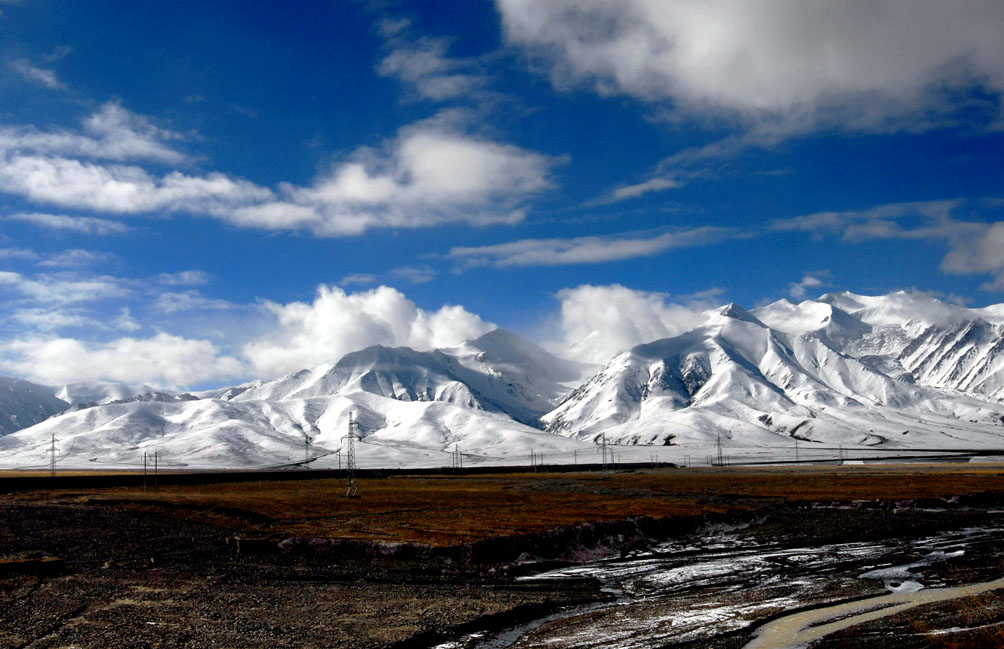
(897, 371)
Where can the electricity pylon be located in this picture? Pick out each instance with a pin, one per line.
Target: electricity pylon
(350, 458)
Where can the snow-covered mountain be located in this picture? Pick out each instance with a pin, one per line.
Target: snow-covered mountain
(24, 404)
(901, 371)
(498, 372)
(845, 369)
(413, 407)
(908, 336)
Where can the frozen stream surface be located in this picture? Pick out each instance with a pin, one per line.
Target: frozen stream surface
(724, 583)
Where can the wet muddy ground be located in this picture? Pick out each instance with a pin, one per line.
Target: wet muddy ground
(720, 588)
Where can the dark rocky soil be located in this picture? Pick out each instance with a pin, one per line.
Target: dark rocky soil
(143, 579)
(139, 580)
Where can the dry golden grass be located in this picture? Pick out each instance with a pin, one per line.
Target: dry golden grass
(447, 510)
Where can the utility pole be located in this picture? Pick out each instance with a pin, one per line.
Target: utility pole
(52, 457)
(350, 460)
(718, 444)
(144, 470)
(603, 450)
(156, 456)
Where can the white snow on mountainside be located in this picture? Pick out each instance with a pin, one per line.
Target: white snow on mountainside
(901, 371)
(217, 433)
(24, 404)
(844, 369)
(907, 336)
(419, 406)
(498, 372)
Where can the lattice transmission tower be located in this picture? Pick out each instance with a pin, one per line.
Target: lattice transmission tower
(351, 491)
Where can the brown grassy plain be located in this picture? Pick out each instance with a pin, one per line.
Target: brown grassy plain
(455, 509)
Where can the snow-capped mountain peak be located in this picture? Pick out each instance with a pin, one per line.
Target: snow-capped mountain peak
(903, 370)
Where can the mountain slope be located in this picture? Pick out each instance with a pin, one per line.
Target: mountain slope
(220, 433)
(737, 379)
(902, 371)
(24, 404)
(498, 372)
(907, 336)
(412, 407)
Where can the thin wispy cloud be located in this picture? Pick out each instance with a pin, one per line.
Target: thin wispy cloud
(78, 258)
(17, 254)
(588, 250)
(358, 279)
(78, 224)
(62, 288)
(414, 274)
(190, 300)
(184, 278)
(423, 64)
(109, 133)
(974, 247)
(30, 72)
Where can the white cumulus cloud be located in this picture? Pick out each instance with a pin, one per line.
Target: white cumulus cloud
(799, 289)
(599, 322)
(432, 173)
(163, 360)
(337, 323)
(858, 63)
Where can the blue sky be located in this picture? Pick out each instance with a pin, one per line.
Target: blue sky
(195, 193)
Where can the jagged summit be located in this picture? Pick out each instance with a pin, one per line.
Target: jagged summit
(736, 312)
